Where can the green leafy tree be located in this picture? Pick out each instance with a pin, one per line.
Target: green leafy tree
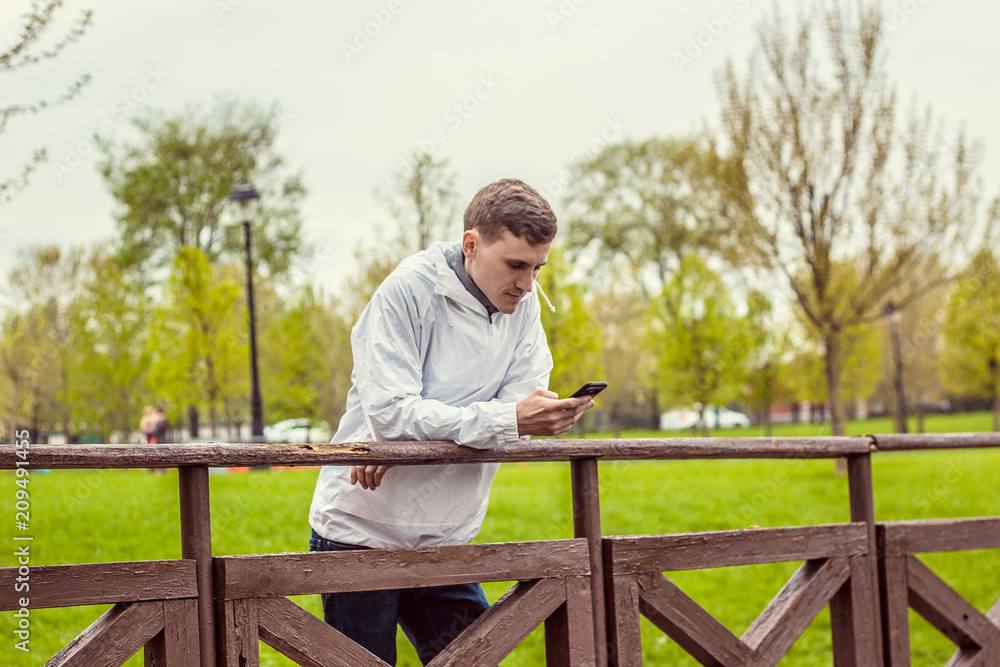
(109, 346)
(860, 352)
(198, 350)
(306, 369)
(832, 174)
(972, 333)
(574, 336)
(43, 285)
(647, 205)
(172, 185)
(768, 374)
(629, 360)
(704, 343)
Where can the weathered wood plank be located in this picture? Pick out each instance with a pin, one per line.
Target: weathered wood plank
(380, 569)
(622, 604)
(113, 637)
(865, 645)
(176, 645)
(419, 453)
(100, 583)
(196, 544)
(569, 631)
(946, 610)
(857, 641)
(894, 603)
(910, 537)
(910, 441)
(587, 524)
(502, 627)
(794, 608)
(687, 623)
(975, 657)
(307, 640)
(689, 551)
(238, 640)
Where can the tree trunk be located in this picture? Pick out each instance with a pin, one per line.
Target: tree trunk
(192, 422)
(654, 417)
(768, 430)
(213, 418)
(920, 413)
(616, 421)
(996, 414)
(831, 359)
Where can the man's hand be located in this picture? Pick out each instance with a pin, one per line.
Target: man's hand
(369, 476)
(542, 412)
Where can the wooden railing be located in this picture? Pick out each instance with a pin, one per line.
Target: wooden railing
(589, 591)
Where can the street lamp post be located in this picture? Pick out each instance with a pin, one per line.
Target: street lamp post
(894, 316)
(246, 198)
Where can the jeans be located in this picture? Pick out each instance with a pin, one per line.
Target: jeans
(431, 617)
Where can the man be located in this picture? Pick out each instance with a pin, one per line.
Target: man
(450, 347)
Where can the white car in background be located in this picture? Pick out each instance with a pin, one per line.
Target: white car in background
(298, 430)
(682, 420)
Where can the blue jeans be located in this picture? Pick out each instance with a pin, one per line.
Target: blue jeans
(431, 617)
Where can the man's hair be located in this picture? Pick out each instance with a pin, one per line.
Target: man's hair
(514, 205)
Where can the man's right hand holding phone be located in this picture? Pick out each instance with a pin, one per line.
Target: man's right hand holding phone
(542, 412)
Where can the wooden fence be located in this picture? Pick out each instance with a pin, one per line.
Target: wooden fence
(588, 591)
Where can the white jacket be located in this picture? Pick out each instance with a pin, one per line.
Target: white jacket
(429, 365)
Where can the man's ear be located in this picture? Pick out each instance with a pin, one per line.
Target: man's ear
(470, 242)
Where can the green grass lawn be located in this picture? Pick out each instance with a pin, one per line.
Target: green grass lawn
(92, 516)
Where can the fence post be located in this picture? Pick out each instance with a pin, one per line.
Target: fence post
(196, 544)
(587, 523)
(862, 500)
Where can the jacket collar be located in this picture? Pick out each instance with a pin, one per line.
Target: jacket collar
(448, 285)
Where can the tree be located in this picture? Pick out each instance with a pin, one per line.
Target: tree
(859, 351)
(831, 175)
(110, 325)
(574, 336)
(647, 205)
(172, 187)
(621, 312)
(306, 369)
(423, 204)
(704, 344)
(972, 333)
(198, 350)
(767, 374)
(26, 50)
(43, 284)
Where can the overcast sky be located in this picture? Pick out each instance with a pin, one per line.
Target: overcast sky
(515, 88)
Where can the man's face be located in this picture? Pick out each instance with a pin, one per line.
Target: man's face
(504, 269)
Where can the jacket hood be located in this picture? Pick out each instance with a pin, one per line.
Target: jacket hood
(435, 267)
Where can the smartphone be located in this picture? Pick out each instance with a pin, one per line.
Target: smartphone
(590, 389)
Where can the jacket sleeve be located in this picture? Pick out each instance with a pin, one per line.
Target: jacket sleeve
(532, 362)
(386, 352)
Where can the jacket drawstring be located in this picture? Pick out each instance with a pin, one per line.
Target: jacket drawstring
(545, 296)
(447, 310)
